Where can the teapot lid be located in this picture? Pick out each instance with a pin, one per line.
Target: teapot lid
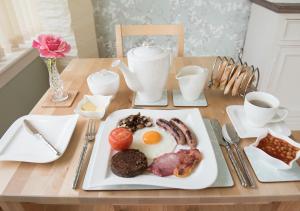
(147, 53)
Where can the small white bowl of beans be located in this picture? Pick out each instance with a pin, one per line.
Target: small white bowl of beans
(277, 150)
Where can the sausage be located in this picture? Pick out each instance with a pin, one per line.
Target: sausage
(191, 140)
(173, 130)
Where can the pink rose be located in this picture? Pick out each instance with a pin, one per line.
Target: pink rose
(51, 46)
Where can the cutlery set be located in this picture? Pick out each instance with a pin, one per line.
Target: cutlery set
(231, 136)
(227, 137)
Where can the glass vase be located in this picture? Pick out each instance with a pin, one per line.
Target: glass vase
(56, 83)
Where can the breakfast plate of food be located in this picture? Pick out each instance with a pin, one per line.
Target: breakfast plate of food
(162, 148)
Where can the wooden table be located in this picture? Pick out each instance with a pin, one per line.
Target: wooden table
(24, 185)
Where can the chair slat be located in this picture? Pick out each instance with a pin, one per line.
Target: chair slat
(137, 30)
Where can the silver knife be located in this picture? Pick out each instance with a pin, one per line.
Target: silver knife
(218, 131)
(32, 130)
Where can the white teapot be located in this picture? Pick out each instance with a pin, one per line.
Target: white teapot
(147, 72)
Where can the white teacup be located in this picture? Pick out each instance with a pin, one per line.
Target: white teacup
(262, 108)
(192, 80)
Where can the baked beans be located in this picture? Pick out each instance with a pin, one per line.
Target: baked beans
(278, 148)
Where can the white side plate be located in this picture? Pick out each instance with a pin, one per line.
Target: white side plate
(19, 145)
(99, 172)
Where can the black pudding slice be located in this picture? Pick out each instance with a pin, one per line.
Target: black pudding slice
(129, 163)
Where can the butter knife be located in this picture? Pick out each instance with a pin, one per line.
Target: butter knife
(32, 130)
(218, 131)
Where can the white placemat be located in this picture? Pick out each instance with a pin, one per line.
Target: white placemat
(178, 100)
(162, 102)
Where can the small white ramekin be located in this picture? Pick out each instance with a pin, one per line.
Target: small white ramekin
(101, 102)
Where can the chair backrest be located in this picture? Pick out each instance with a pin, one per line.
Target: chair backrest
(137, 30)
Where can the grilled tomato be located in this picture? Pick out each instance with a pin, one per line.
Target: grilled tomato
(120, 138)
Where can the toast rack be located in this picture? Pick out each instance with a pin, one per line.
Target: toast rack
(237, 78)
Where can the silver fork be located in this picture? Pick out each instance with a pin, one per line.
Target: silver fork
(89, 137)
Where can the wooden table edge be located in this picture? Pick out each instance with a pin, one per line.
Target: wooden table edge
(161, 200)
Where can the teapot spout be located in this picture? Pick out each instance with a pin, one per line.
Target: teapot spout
(130, 77)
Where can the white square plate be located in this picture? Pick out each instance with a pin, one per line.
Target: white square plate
(244, 130)
(224, 178)
(17, 144)
(100, 174)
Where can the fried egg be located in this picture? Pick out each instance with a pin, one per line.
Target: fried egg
(153, 142)
(151, 137)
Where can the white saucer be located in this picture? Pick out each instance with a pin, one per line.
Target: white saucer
(178, 100)
(162, 102)
(245, 130)
(266, 173)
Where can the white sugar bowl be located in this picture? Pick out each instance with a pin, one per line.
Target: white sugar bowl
(103, 82)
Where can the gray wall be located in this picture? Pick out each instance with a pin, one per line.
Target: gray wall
(20, 94)
(212, 27)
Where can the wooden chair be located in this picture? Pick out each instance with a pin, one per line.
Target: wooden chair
(137, 30)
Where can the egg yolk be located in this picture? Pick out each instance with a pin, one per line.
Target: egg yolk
(151, 137)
